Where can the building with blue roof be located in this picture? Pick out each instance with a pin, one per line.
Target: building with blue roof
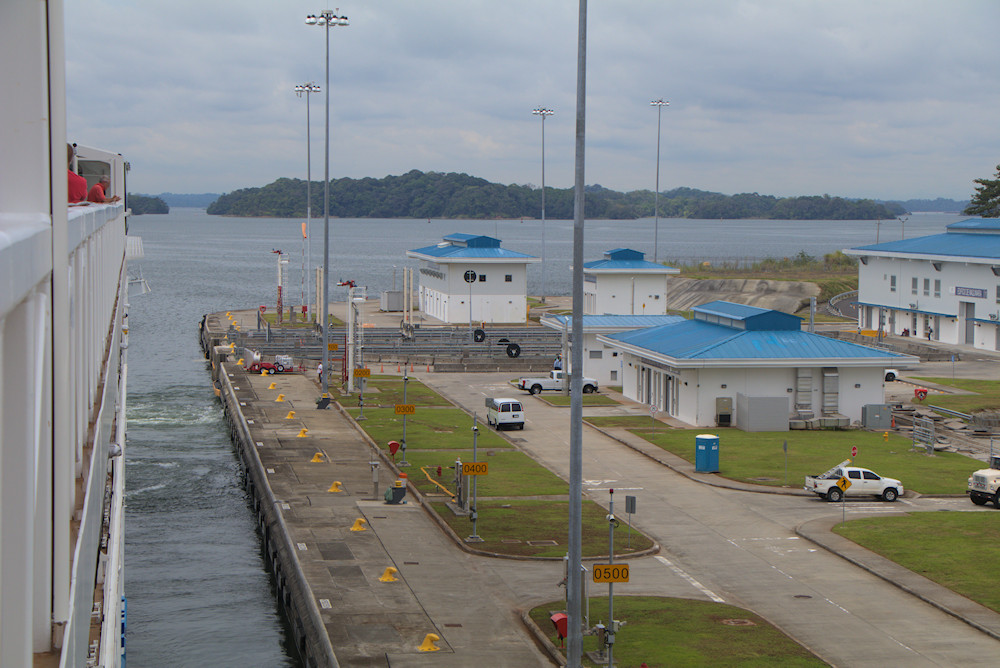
(601, 361)
(623, 282)
(470, 278)
(752, 368)
(942, 287)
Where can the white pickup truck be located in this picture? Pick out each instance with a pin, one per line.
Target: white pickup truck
(984, 484)
(863, 482)
(555, 381)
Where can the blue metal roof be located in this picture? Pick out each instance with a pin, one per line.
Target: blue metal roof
(698, 340)
(975, 237)
(748, 317)
(469, 246)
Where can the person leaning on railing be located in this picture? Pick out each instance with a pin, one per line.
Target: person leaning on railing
(98, 192)
(77, 185)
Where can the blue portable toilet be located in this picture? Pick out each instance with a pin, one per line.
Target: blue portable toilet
(706, 454)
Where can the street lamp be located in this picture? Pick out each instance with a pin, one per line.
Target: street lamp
(543, 112)
(308, 89)
(327, 20)
(659, 104)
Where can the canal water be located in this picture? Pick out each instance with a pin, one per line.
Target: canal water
(198, 592)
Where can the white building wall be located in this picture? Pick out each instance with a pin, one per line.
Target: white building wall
(600, 362)
(494, 300)
(628, 294)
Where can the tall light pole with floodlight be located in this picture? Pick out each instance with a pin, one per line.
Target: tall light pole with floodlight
(326, 19)
(543, 112)
(308, 89)
(659, 104)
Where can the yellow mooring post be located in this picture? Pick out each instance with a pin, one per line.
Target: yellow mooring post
(272, 386)
(335, 487)
(302, 433)
(281, 397)
(290, 416)
(317, 458)
(389, 575)
(359, 525)
(428, 644)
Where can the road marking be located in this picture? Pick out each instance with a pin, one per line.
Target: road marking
(694, 583)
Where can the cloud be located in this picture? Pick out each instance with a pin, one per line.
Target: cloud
(891, 99)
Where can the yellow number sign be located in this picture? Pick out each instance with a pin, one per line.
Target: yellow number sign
(362, 373)
(475, 468)
(405, 409)
(610, 572)
(332, 346)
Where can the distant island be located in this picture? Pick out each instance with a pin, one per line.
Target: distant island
(140, 204)
(419, 194)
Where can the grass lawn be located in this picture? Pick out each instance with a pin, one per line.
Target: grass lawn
(558, 399)
(511, 473)
(987, 395)
(953, 549)
(502, 525)
(388, 391)
(681, 632)
(428, 428)
(758, 457)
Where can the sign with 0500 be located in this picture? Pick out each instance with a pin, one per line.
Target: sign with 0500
(610, 572)
(475, 468)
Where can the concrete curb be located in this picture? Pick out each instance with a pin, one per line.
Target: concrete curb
(820, 532)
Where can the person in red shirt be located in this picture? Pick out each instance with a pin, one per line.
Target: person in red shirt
(98, 192)
(77, 185)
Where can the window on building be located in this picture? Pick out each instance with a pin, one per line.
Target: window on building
(482, 278)
(892, 283)
(915, 285)
(927, 287)
(937, 287)
(596, 354)
(508, 278)
(998, 294)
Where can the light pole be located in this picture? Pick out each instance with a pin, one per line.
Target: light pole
(308, 89)
(659, 104)
(543, 112)
(327, 20)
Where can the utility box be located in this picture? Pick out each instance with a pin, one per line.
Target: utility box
(876, 416)
(706, 454)
(391, 301)
(723, 411)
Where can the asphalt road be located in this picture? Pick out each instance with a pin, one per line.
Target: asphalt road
(738, 547)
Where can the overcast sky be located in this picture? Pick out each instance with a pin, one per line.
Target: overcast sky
(890, 99)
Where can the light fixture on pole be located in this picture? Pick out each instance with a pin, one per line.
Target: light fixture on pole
(659, 104)
(308, 89)
(543, 112)
(327, 20)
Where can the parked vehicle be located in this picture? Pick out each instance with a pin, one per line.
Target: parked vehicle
(984, 484)
(555, 381)
(502, 413)
(863, 482)
(257, 367)
(891, 375)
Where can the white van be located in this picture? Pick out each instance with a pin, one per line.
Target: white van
(503, 413)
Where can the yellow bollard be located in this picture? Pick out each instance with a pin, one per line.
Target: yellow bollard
(302, 433)
(272, 386)
(359, 525)
(885, 436)
(317, 458)
(229, 314)
(290, 416)
(428, 644)
(240, 361)
(263, 372)
(335, 487)
(281, 397)
(389, 575)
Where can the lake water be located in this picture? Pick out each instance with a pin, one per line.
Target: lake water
(198, 592)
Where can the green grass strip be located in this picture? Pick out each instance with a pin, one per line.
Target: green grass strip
(955, 550)
(511, 473)
(428, 428)
(680, 632)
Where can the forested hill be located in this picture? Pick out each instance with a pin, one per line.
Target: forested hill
(437, 195)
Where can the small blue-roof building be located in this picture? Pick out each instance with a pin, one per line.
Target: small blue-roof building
(469, 277)
(752, 368)
(623, 282)
(942, 287)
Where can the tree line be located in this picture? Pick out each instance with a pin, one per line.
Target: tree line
(419, 194)
(141, 204)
